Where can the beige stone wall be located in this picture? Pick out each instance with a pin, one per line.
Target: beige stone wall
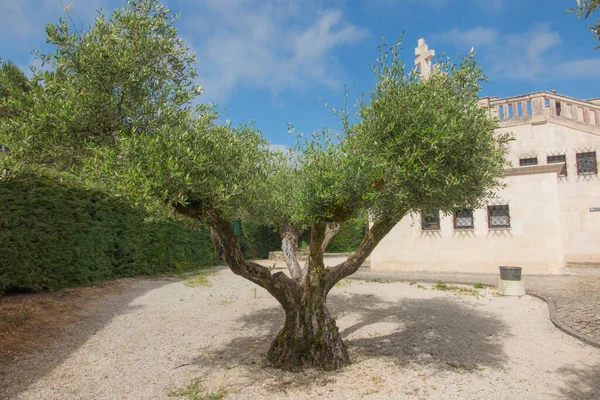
(552, 218)
(533, 242)
(577, 194)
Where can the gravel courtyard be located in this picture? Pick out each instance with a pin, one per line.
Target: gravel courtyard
(161, 337)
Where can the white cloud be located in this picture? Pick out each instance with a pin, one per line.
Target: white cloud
(531, 54)
(282, 148)
(586, 68)
(478, 36)
(280, 45)
(387, 4)
(26, 19)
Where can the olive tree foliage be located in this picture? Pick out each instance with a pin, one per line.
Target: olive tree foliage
(128, 72)
(585, 8)
(118, 110)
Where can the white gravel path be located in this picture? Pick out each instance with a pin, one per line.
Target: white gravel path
(408, 342)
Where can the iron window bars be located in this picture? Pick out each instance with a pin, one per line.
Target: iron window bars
(430, 221)
(463, 218)
(586, 163)
(559, 158)
(498, 216)
(528, 161)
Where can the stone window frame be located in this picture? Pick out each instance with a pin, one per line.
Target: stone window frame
(527, 161)
(490, 216)
(456, 217)
(430, 225)
(563, 171)
(579, 156)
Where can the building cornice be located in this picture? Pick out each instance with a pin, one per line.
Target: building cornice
(534, 169)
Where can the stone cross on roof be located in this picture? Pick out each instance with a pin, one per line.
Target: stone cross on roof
(422, 58)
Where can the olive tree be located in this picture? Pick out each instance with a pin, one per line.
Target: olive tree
(409, 145)
(414, 145)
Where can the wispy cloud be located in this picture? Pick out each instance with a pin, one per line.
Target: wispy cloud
(532, 54)
(585, 68)
(432, 5)
(278, 45)
(26, 19)
(475, 37)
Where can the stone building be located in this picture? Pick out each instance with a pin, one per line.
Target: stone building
(547, 215)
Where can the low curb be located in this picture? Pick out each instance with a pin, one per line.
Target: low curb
(560, 325)
(551, 310)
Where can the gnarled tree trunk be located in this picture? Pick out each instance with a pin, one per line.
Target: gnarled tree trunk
(310, 336)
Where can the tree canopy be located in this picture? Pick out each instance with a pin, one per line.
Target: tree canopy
(127, 72)
(116, 106)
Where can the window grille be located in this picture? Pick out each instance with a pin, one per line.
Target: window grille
(463, 218)
(559, 159)
(528, 161)
(586, 163)
(498, 216)
(430, 221)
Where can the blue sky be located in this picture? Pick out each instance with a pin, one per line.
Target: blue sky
(277, 61)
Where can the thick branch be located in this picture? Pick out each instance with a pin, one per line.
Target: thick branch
(313, 271)
(330, 232)
(279, 285)
(284, 289)
(355, 260)
(289, 246)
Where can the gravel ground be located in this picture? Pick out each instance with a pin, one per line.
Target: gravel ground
(407, 341)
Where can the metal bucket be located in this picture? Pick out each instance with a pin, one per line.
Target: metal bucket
(510, 273)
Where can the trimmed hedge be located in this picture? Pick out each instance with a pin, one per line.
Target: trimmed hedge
(347, 239)
(349, 236)
(56, 233)
(258, 240)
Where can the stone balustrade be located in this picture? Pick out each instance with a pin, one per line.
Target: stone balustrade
(540, 106)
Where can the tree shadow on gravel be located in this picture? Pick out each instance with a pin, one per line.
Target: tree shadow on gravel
(441, 333)
(58, 345)
(582, 383)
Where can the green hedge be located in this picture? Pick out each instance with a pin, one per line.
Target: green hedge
(258, 240)
(348, 238)
(55, 233)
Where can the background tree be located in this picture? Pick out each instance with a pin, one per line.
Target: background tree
(129, 71)
(14, 95)
(413, 145)
(585, 8)
(14, 87)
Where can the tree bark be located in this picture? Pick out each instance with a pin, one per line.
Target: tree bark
(330, 232)
(309, 338)
(289, 246)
